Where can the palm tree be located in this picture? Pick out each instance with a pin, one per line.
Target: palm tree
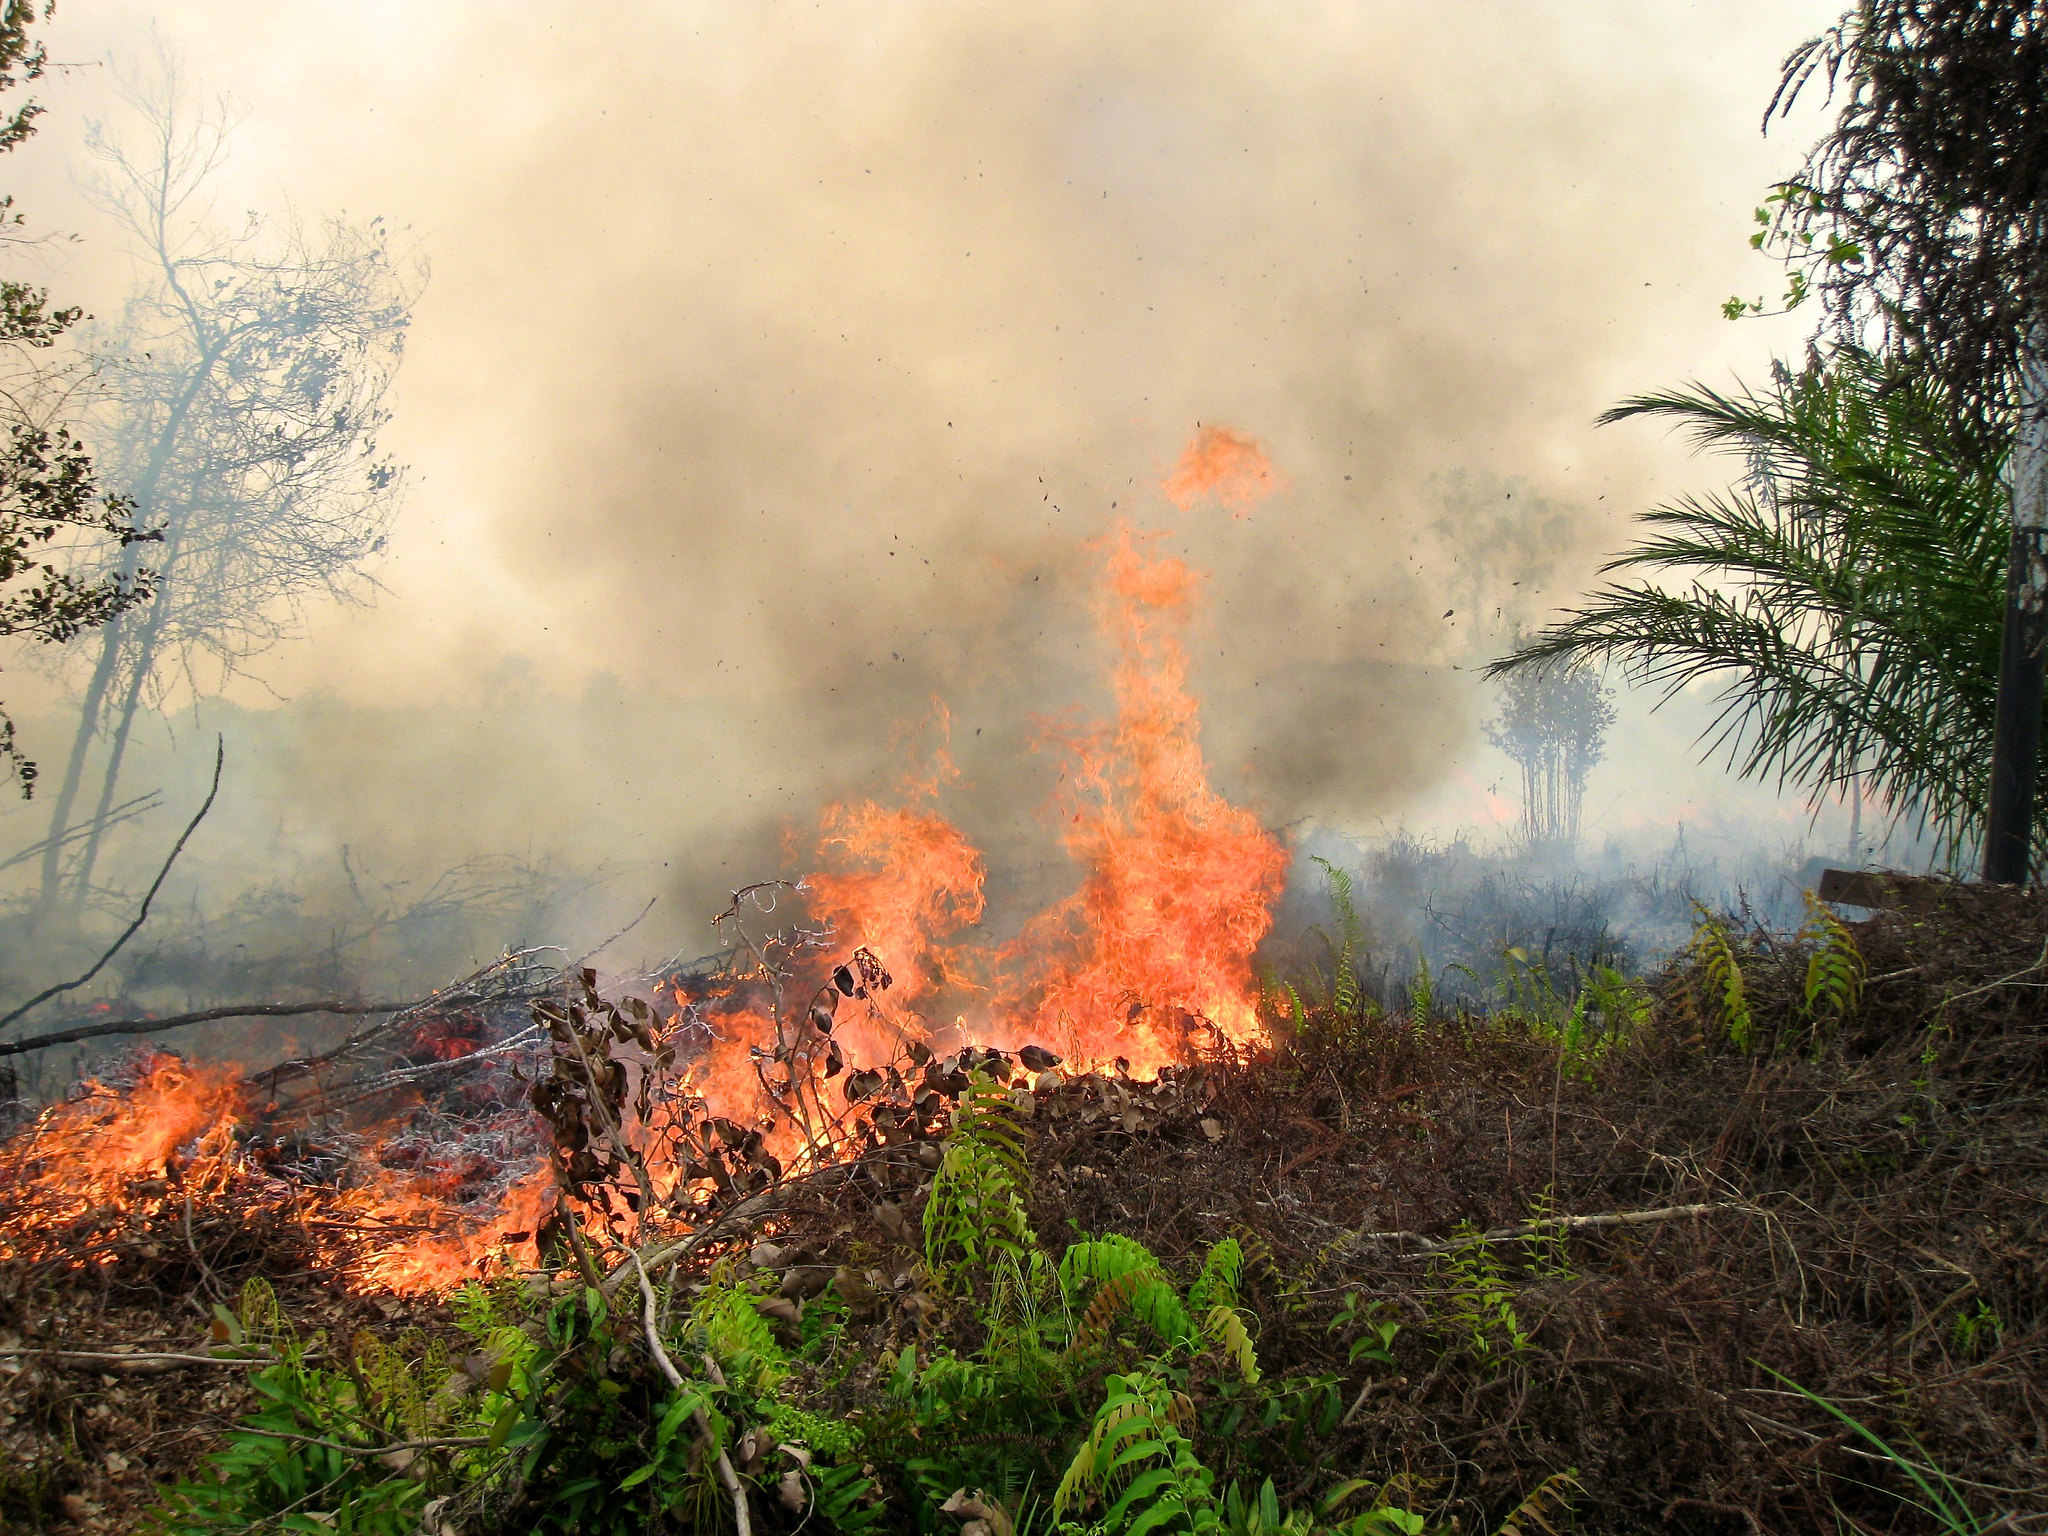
(1846, 596)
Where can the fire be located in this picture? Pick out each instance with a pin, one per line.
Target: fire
(1149, 956)
(1229, 464)
(910, 880)
(1179, 883)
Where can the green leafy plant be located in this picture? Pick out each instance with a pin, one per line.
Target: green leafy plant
(726, 1316)
(1548, 1246)
(1834, 965)
(1346, 994)
(1139, 1464)
(1845, 595)
(1479, 1301)
(976, 1207)
(1548, 1501)
(1421, 995)
(317, 1454)
(1713, 951)
(1977, 1331)
(1944, 1504)
(1376, 1332)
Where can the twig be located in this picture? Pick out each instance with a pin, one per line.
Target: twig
(202, 1016)
(608, 943)
(726, 1474)
(115, 1357)
(1423, 1244)
(584, 1262)
(366, 1450)
(205, 1270)
(127, 810)
(220, 752)
(1989, 986)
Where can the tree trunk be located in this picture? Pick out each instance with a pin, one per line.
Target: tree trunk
(2016, 733)
(144, 660)
(74, 769)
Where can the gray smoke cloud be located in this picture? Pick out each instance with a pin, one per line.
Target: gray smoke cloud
(780, 365)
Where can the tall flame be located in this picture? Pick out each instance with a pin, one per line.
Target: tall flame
(1179, 884)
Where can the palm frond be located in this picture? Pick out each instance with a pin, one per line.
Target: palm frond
(1844, 599)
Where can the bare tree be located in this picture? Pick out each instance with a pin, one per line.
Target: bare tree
(242, 393)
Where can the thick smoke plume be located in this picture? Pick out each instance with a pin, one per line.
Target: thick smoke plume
(780, 365)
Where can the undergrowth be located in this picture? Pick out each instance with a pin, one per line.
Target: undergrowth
(959, 1368)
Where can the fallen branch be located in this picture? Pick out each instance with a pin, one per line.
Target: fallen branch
(200, 1016)
(160, 1361)
(1423, 1244)
(368, 1451)
(726, 1474)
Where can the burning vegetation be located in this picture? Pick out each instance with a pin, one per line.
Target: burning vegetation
(874, 1224)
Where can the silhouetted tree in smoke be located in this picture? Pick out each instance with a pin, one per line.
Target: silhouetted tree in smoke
(50, 502)
(1553, 722)
(1846, 594)
(242, 396)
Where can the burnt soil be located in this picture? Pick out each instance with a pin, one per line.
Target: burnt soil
(1878, 1187)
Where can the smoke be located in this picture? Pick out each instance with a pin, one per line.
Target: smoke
(781, 365)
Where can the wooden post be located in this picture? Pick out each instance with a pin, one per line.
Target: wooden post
(2016, 732)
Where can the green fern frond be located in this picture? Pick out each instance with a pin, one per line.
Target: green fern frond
(262, 1318)
(1713, 949)
(976, 1206)
(1834, 965)
(1226, 1327)
(1138, 1460)
(1222, 1270)
(724, 1316)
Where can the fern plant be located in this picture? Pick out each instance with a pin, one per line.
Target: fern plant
(725, 1317)
(1346, 995)
(1480, 1302)
(307, 1458)
(1548, 1501)
(1713, 950)
(1126, 1277)
(976, 1207)
(1138, 1463)
(1834, 965)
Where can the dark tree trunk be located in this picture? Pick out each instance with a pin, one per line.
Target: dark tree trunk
(2022, 667)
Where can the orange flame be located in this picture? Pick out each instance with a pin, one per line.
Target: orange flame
(1179, 883)
(914, 881)
(1229, 464)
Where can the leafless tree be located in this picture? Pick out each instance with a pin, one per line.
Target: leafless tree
(241, 396)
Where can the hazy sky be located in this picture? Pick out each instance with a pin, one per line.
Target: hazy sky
(779, 363)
